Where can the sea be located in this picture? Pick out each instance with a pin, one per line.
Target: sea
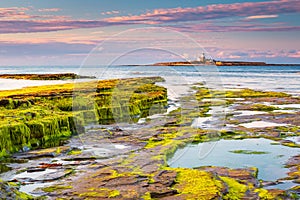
(178, 78)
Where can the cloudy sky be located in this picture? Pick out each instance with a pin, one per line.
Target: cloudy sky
(61, 32)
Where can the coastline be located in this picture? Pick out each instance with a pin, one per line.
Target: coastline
(139, 168)
(52, 76)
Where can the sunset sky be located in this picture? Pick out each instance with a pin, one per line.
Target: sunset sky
(61, 32)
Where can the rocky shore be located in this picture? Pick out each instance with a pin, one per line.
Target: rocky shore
(130, 161)
(62, 76)
(44, 116)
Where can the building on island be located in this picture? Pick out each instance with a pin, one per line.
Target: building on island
(203, 60)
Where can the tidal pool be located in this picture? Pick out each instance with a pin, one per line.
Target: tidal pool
(261, 124)
(230, 153)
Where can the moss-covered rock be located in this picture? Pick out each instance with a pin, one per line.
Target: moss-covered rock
(195, 184)
(44, 116)
(9, 191)
(62, 76)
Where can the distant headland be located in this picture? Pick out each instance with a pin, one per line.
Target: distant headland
(204, 61)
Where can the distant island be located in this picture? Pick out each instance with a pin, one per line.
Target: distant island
(204, 61)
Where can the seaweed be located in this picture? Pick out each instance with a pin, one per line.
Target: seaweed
(46, 116)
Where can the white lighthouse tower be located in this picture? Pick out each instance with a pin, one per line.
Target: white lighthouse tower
(202, 58)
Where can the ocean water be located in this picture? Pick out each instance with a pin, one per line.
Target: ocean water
(275, 78)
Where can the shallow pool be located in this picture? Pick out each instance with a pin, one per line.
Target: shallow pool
(260, 153)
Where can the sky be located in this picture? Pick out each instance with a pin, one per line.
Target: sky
(65, 32)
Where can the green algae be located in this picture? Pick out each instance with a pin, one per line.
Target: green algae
(249, 93)
(249, 152)
(46, 116)
(75, 152)
(64, 76)
(4, 168)
(190, 183)
(290, 144)
(101, 192)
(205, 93)
(9, 190)
(56, 188)
(236, 190)
(262, 107)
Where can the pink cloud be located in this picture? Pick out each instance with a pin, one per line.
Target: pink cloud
(19, 14)
(49, 10)
(215, 11)
(17, 26)
(234, 54)
(294, 54)
(113, 12)
(15, 20)
(261, 16)
(210, 27)
(14, 13)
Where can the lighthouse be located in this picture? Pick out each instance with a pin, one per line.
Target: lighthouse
(202, 58)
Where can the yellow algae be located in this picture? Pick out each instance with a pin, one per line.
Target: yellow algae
(56, 188)
(265, 194)
(236, 190)
(101, 192)
(197, 184)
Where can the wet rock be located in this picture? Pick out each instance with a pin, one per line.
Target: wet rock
(289, 143)
(297, 180)
(277, 194)
(76, 163)
(4, 168)
(293, 161)
(156, 191)
(53, 175)
(269, 183)
(166, 178)
(172, 123)
(81, 158)
(278, 100)
(137, 170)
(161, 186)
(250, 195)
(124, 181)
(117, 129)
(49, 152)
(296, 189)
(33, 156)
(49, 165)
(244, 174)
(35, 169)
(120, 134)
(181, 197)
(9, 192)
(12, 160)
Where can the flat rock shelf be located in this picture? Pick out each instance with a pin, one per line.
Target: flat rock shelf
(61, 76)
(108, 152)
